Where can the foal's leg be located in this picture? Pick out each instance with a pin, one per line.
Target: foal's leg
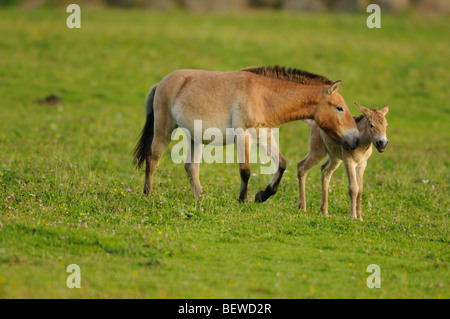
(360, 174)
(280, 163)
(353, 187)
(328, 169)
(192, 167)
(244, 169)
(316, 153)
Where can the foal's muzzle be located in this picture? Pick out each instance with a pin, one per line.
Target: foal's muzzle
(381, 145)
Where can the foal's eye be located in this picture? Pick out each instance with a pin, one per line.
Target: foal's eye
(340, 108)
(371, 125)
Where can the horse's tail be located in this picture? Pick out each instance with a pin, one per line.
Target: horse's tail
(144, 146)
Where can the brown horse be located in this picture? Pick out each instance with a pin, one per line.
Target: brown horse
(253, 98)
(372, 129)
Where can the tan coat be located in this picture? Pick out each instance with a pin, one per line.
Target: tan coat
(252, 98)
(372, 130)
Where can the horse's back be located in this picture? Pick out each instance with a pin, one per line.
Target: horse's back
(209, 96)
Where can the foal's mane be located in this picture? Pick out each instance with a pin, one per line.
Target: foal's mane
(358, 118)
(291, 74)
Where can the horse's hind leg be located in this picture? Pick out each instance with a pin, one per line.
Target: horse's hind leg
(328, 169)
(359, 175)
(163, 132)
(159, 145)
(316, 153)
(303, 167)
(280, 162)
(192, 167)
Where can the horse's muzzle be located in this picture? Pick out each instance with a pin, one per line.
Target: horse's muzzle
(351, 140)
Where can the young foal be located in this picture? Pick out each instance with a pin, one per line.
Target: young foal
(265, 97)
(372, 129)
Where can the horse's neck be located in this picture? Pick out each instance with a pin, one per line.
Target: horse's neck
(291, 103)
(364, 136)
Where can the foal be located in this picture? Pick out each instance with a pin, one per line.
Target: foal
(372, 129)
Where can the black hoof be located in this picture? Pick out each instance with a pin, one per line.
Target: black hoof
(259, 197)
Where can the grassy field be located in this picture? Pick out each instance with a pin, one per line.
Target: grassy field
(69, 194)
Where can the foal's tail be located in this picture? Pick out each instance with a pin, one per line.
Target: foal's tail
(144, 146)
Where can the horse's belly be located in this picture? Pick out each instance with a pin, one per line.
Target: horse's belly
(202, 127)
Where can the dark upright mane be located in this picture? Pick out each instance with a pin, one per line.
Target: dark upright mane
(358, 118)
(291, 74)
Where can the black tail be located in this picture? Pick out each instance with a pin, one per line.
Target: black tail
(144, 146)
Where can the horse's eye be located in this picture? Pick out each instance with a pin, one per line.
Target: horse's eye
(371, 125)
(340, 108)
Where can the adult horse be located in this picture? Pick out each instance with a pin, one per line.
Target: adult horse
(253, 98)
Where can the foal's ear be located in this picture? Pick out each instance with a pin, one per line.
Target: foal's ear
(384, 110)
(363, 110)
(333, 88)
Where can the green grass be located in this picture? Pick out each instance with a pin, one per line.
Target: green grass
(69, 194)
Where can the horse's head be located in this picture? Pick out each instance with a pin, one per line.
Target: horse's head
(333, 116)
(377, 125)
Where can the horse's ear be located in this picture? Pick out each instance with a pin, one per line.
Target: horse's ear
(333, 88)
(385, 109)
(363, 110)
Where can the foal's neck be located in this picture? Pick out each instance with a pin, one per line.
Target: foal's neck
(364, 136)
(291, 102)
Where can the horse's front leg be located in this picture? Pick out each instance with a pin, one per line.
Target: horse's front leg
(280, 163)
(244, 169)
(360, 175)
(353, 187)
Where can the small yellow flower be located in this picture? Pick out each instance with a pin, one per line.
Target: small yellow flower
(350, 265)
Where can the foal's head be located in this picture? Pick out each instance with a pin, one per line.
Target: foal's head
(377, 125)
(333, 116)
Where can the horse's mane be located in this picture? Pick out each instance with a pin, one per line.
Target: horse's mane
(291, 74)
